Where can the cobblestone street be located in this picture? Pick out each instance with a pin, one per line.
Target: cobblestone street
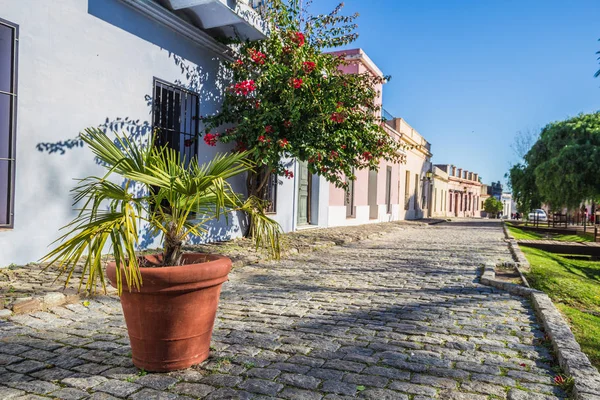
(398, 317)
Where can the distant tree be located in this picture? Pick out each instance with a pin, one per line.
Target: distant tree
(521, 181)
(524, 141)
(492, 206)
(565, 162)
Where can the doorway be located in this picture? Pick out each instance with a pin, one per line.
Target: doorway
(304, 194)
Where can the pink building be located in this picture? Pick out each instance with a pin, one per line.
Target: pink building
(464, 192)
(395, 191)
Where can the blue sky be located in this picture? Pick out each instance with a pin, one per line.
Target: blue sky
(469, 74)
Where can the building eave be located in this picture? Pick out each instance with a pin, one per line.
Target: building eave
(166, 18)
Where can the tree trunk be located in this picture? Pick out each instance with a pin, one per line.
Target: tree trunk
(172, 252)
(256, 185)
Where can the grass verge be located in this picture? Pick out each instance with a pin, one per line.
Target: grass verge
(521, 234)
(574, 286)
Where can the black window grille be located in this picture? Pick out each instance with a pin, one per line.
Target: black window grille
(176, 119)
(271, 194)
(9, 33)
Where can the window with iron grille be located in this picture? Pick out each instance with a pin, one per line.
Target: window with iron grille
(9, 33)
(271, 194)
(175, 118)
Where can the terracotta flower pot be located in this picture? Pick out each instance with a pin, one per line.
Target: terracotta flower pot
(170, 319)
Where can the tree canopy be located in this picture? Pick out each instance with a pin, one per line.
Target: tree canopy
(289, 99)
(562, 167)
(492, 205)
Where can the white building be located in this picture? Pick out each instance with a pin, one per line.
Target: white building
(127, 65)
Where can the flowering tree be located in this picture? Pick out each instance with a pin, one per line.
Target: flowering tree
(289, 99)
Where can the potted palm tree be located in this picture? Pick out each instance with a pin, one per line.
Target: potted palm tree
(169, 299)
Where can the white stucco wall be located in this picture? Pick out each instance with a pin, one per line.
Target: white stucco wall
(84, 63)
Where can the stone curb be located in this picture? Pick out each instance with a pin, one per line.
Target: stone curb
(53, 299)
(570, 357)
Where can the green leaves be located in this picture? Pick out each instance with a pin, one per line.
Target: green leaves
(561, 167)
(301, 97)
(167, 194)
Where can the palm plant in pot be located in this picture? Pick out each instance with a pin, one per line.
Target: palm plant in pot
(169, 299)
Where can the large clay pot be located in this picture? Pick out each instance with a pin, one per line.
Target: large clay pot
(170, 319)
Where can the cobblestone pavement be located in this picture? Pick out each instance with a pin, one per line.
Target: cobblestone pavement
(399, 317)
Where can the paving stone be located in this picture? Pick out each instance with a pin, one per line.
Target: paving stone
(84, 382)
(228, 394)
(299, 394)
(26, 366)
(263, 373)
(151, 394)
(344, 365)
(193, 389)
(222, 380)
(412, 388)
(36, 387)
(382, 394)
(338, 387)
(70, 394)
(157, 381)
(10, 393)
(516, 394)
(366, 380)
(261, 386)
(299, 380)
(117, 388)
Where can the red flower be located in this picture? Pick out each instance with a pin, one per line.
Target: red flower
(187, 143)
(257, 56)
(268, 129)
(343, 146)
(261, 139)
(239, 63)
(523, 365)
(288, 174)
(283, 142)
(309, 66)
(340, 104)
(296, 83)
(323, 169)
(245, 87)
(287, 124)
(299, 38)
(367, 156)
(338, 117)
(211, 139)
(257, 104)
(559, 380)
(334, 154)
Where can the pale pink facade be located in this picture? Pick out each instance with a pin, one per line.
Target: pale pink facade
(395, 191)
(464, 192)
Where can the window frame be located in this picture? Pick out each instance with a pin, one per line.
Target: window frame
(175, 87)
(12, 134)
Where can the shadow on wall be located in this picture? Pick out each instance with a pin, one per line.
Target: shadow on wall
(209, 87)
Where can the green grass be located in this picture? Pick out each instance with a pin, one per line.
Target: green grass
(521, 234)
(574, 286)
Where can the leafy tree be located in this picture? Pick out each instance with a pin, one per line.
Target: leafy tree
(289, 99)
(521, 180)
(492, 206)
(565, 161)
